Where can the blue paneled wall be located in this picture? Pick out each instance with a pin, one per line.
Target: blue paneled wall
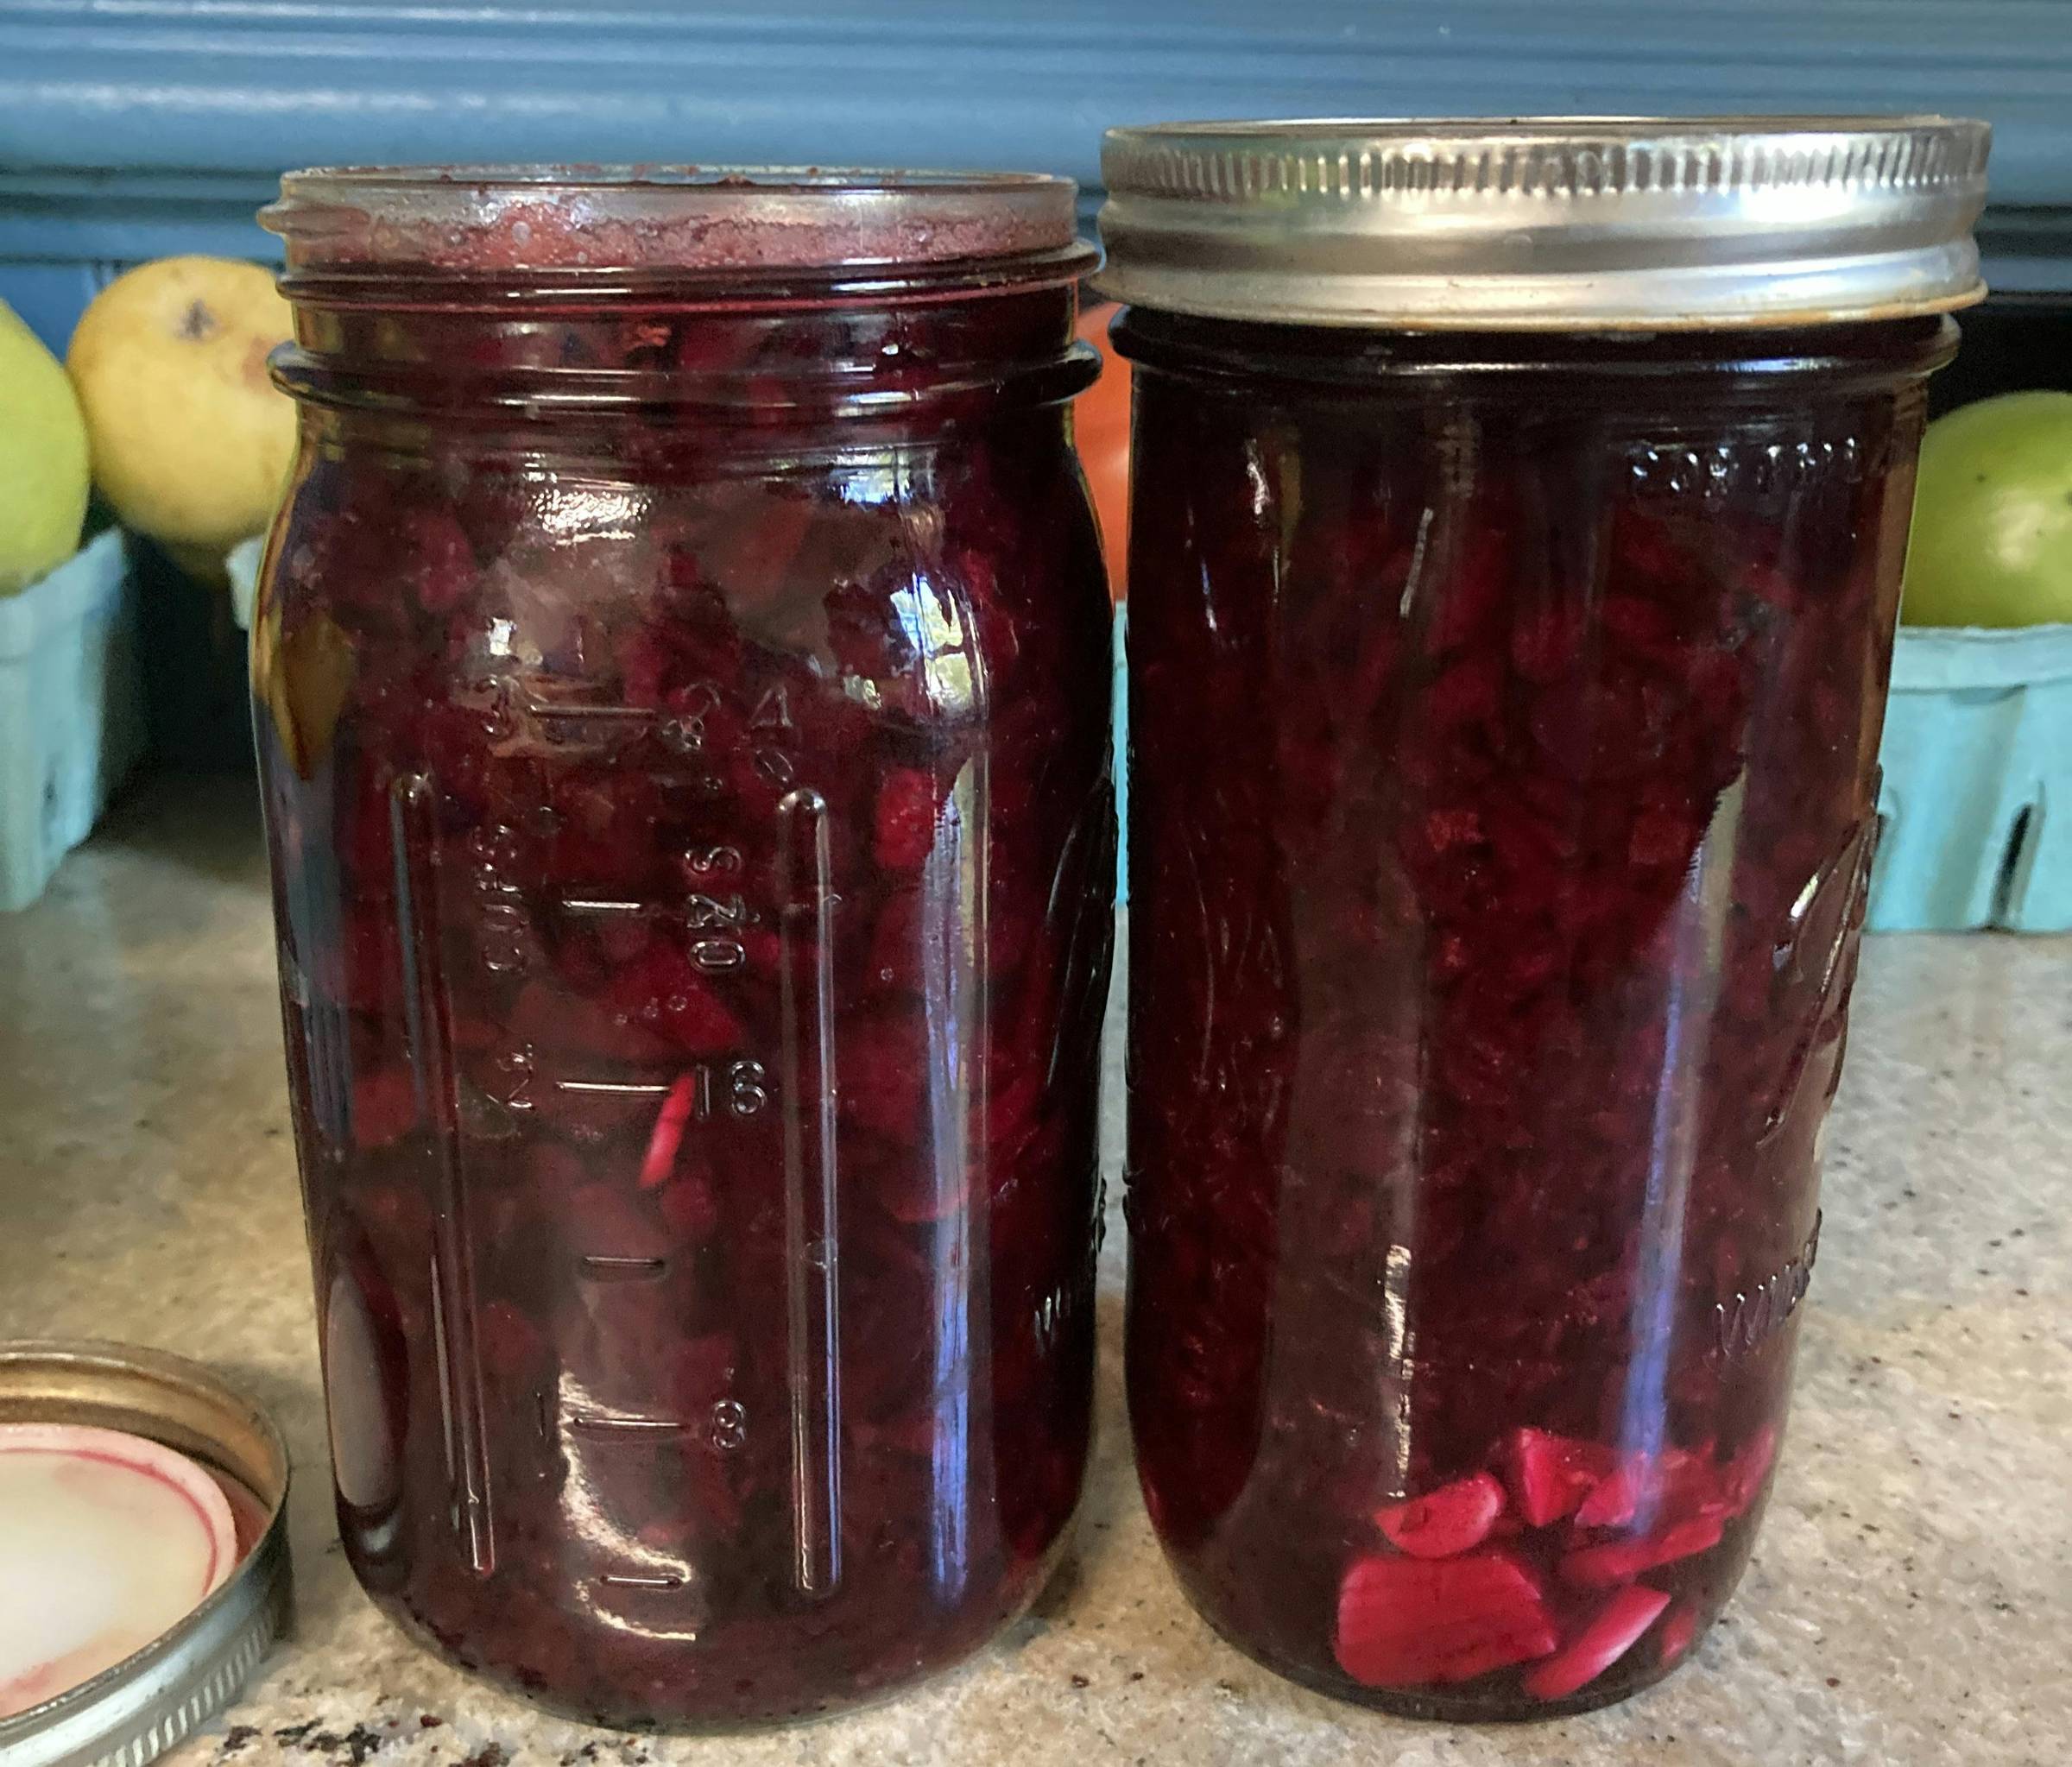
(133, 128)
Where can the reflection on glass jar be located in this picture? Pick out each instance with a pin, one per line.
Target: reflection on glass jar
(680, 673)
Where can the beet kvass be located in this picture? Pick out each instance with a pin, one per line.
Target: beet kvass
(1517, 519)
(681, 670)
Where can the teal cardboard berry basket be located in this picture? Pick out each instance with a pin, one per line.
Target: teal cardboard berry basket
(1977, 799)
(72, 722)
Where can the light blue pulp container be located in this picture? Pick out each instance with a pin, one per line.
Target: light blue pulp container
(1977, 799)
(72, 715)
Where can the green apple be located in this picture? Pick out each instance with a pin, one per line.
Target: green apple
(1991, 542)
(43, 477)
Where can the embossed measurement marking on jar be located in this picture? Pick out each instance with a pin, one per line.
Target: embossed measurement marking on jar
(412, 829)
(714, 917)
(812, 1252)
(601, 1266)
(738, 1088)
(609, 1426)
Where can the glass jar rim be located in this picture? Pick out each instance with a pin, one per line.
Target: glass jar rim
(470, 220)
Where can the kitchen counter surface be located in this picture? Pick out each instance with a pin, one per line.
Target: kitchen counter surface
(1911, 1601)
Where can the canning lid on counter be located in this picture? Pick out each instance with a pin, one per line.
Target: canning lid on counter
(143, 1551)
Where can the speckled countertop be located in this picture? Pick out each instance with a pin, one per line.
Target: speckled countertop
(1911, 1597)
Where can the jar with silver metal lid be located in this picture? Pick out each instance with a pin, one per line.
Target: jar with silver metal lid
(1517, 513)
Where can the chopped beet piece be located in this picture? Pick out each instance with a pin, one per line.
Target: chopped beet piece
(1609, 1634)
(1614, 1500)
(1550, 1475)
(660, 1159)
(444, 562)
(1404, 1622)
(1679, 1630)
(1742, 1478)
(384, 1106)
(906, 819)
(690, 1207)
(1442, 1523)
(1503, 725)
(1599, 1566)
(648, 1004)
(665, 992)
(1675, 1482)
(508, 1341)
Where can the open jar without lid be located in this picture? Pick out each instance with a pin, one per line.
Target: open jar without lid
(680, 682)
(1517, 518)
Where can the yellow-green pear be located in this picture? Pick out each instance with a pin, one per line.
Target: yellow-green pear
(43, 479)
(190, 440)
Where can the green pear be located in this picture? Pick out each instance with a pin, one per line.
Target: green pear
(1991, 542)
(43, 474)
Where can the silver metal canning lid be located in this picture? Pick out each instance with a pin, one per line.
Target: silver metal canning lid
(1547, 223)
(149, 1701)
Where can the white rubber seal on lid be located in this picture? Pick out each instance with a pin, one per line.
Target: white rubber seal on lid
(107, 1541)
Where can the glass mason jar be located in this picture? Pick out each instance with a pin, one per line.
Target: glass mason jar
(681, 671)
(1513, 584)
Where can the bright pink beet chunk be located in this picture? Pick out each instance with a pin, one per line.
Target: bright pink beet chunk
(1550, 1475)
(1599, 1566)
(1612, 1632)
(1449, 1520)
(698, 1104)
(1403, 1621)
(1612, 1501)
(1675, 1482)
(1504, 728)
(669, 1123)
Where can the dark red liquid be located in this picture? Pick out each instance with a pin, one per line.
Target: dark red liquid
(1505, 717)
(685, 741)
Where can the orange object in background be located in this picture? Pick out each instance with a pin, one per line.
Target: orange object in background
(1101, 425)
